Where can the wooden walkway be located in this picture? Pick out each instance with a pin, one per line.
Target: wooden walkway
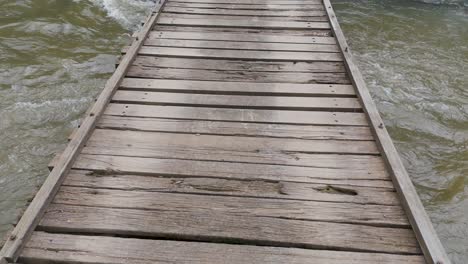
(233, 131)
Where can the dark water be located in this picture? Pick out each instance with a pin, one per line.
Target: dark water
(55, 56)
(414, 58)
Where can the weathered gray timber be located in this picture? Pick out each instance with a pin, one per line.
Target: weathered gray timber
(233, 131)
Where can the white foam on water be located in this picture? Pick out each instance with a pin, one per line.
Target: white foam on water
(129, 13)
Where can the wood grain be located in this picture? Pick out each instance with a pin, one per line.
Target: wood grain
(234, 128)
(217, 44)
(240, 115)
(246, 6)
(344, 193)
(228, 228)
(115, 250)
(234, 12)
(237, 76)
(259, 32)
(238, 101)
(245, 37)
(252, 18)
(243, 23)
(151, 143)
(240, 88)
(365, 214)
(241, 54)
(253, 2)
(105, 164)
(239, 65)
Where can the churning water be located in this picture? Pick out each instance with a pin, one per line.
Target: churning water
(414, 58)
(55, 56)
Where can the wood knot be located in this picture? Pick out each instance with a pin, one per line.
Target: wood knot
(381, 125)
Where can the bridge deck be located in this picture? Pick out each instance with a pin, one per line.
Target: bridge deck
(237, 131)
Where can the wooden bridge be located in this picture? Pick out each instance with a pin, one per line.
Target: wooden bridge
(232, 131)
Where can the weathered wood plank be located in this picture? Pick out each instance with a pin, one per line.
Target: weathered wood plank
(115, 250)
(251, 18)
(265, 31)
(365, 214)
(253, 2)
(234, 12)
(237, 76)
(434, 252)
(246, 37)
(243, 23)
(228, 170)
(240, 88)
(343, 193)
(241, 54)
(235, 128)
(149, 143)
(240, 115)
(228, 227)
(36, 208)
(217, 44)
(239, 101)
(239, 65)
(246, 7)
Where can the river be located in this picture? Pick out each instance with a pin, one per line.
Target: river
(55, 56)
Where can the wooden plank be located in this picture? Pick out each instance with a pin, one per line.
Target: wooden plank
(216, 44)
(165, 167)
(228, 228)
(246, 88)
(363, 214)
(116, 250)
(309, 153)
(239, 65)
(333, 167)
(234, 12)
(251, 18)
(235, 128)
(237, 76)
(240, 54)
(253, 2)
(246, 37)
(246, 7)
(239, 115)
(264, 31)
(208, 145)
(232, 187)
(46, 193)
(434, 252)
(243, 23)
(238, 101)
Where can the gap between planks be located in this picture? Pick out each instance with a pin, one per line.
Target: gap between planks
(332, 191)
(239, 115)
(260, 13)
(252, 18)
(238, 88)
(228, 228)
(117, 250)
(241, 37)
(329, 104)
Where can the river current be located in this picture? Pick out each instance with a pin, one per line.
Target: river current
(55, 56)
